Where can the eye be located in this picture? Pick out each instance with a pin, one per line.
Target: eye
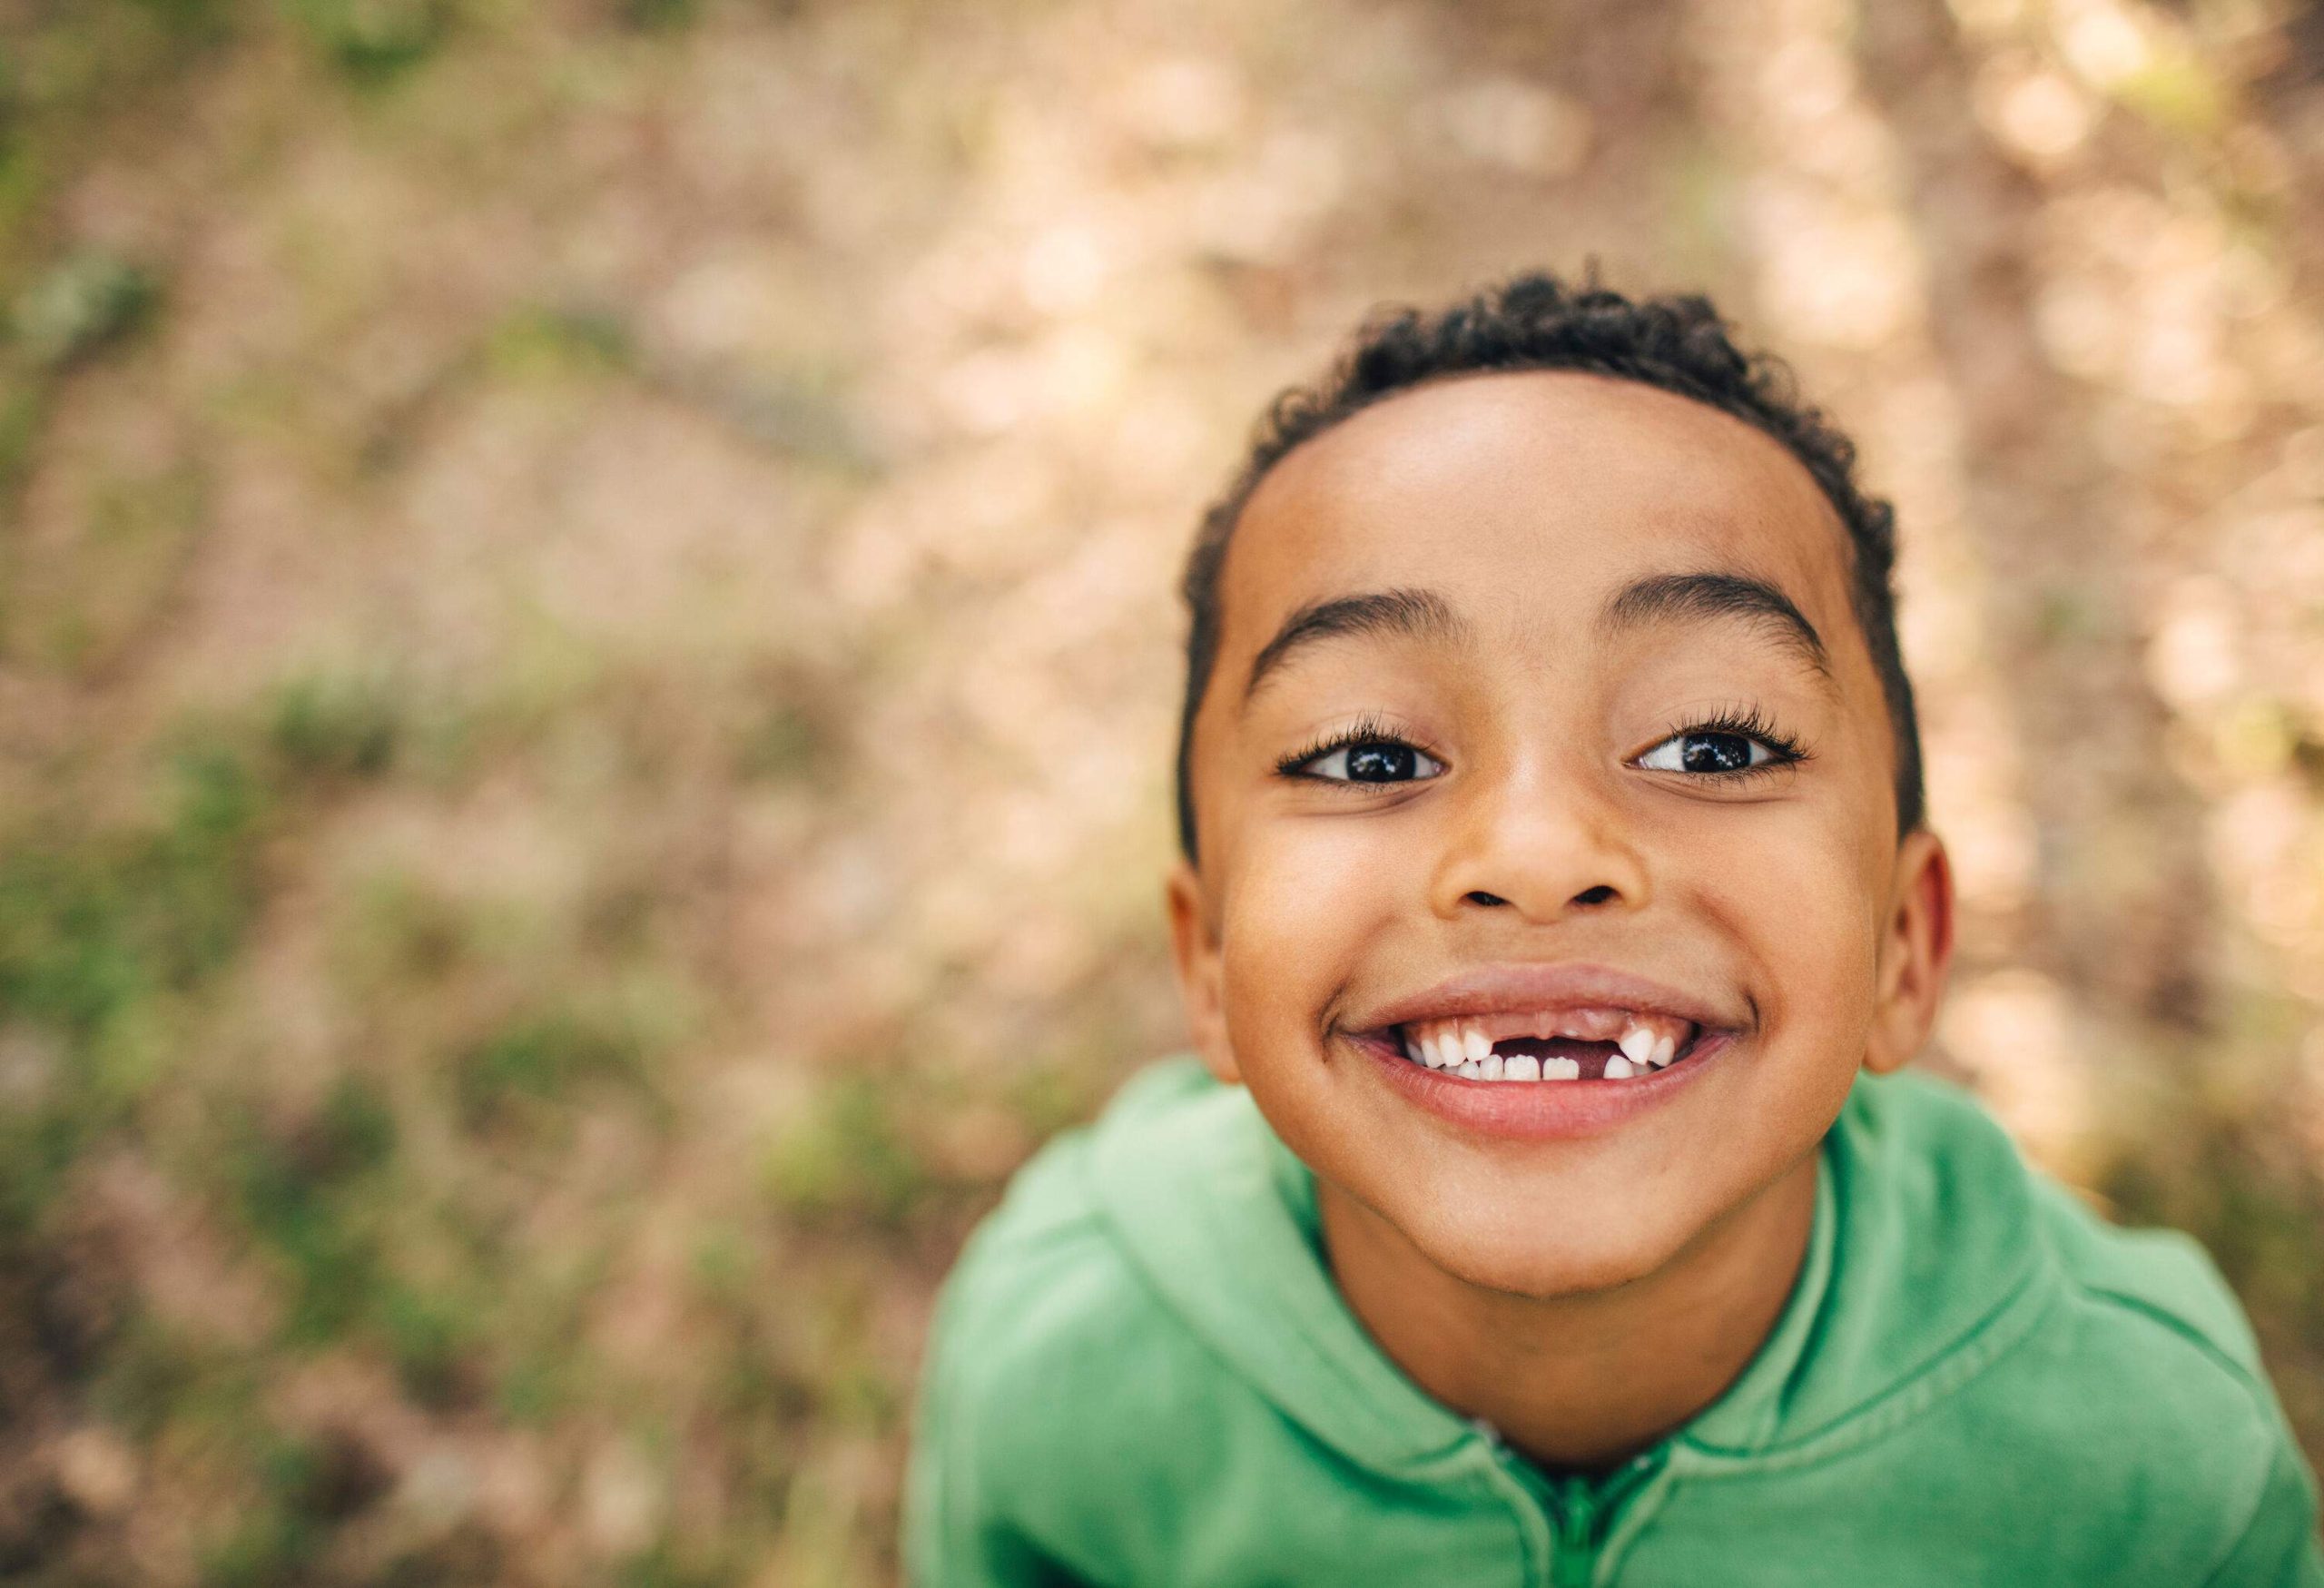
(1723, 749)
(1708, 750)
(1371, 761)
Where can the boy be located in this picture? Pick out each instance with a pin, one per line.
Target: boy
(1557, 911)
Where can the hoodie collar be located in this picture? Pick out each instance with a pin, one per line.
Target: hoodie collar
(1219, 1217)
(1208, 1203)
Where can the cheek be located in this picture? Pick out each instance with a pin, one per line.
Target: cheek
(1801, 899)
(1306, 900)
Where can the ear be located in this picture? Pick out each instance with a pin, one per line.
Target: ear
(1915, 952)
(1195, 949)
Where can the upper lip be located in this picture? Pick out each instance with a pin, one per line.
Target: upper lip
(1515, 988)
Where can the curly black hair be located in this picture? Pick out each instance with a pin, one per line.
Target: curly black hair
(1535, 321)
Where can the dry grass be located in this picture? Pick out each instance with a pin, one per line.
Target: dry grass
(587, 671)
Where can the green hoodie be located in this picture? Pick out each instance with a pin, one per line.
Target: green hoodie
(1142, 1374)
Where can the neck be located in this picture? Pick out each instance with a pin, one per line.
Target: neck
(1585, 1380)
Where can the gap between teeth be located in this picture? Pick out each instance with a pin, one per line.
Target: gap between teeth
(1464, 1050)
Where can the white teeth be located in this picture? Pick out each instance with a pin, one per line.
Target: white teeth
(1461, 1047)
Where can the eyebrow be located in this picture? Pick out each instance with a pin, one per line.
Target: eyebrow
(1417, 614)
(1656, 598)
(1661, 598)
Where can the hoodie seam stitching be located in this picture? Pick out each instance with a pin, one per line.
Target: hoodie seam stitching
(2173, 1324)
(1997, 1335)
(2249, 1394)
(1134, 1261)
(2211, 1578)
(1536, 1540)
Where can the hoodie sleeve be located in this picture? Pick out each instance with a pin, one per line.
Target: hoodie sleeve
(2279, 1548)
(991, 1408)
(955, 1533)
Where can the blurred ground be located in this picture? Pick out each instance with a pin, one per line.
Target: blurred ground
(587, 666)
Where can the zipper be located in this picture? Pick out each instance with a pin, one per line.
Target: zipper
(1582, 1510)
(1575, 1561)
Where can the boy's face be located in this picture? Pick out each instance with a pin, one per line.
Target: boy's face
(1524, 820)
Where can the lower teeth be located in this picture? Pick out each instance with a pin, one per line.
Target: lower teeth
(1525, 1067)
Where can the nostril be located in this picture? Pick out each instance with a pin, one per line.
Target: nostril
(1596, 895)
(1479, 896)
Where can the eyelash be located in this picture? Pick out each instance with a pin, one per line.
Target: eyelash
(1368, 730)
(1747, 722)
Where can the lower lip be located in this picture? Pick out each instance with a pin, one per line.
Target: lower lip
(1543, 1110)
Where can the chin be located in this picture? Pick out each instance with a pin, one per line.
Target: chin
(1541, 1260)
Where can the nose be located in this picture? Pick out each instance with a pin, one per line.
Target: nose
(1542, 843)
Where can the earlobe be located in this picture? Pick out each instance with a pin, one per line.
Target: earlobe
(1915, 952)
(1194, 952)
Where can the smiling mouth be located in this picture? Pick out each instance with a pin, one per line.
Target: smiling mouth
(1602, 1042)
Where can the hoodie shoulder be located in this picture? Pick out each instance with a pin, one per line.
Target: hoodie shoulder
(2146, 1376)
(1044, 1267)
(2161, 1276)
(1032, 1422)
(1944, 1165)
(2150, 1305)
(2135, 1386)
(1043, 1299)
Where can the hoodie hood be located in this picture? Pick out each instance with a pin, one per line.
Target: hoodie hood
(1142, 1373)
(1219, 1218)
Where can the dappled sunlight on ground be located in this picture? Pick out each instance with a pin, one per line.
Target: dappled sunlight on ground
(588, 663)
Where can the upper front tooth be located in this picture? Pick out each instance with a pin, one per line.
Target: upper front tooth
(1439, 1051)
(1666, 1048)
(1638, 1044)
(1474, 1043)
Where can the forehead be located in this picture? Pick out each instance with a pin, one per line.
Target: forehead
(1527, 495)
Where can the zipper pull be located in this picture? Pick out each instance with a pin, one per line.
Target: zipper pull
(1582, 1509)
(1576, 1560)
